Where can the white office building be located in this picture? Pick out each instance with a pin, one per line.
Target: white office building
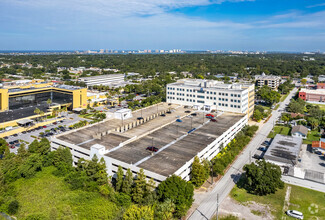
(268, 80)
(105, 80)
(209, 94)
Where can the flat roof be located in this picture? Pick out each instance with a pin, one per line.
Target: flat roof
(174, 154)
(313, 91)
(84, 137)
(284, 149)
(67, 87)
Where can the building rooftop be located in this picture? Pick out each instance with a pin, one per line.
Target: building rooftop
(101, 76)
(209, 84)
(300, 128)
(313, 91)
(284, 149)
(67, 87)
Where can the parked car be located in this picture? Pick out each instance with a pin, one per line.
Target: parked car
(163, 115)
(168, 112)
(295, 214)
(187, 111)
(11, 142)
(262, 149)
(257, 157)
(5, 137)
(152, 148)
(178, 120)
(12, 146)
(15, 135)
(139, 118)
(44, 126)
(213, 120)
(194, 114)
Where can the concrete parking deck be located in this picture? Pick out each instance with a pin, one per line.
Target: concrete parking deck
(86, 137)
(169, 160)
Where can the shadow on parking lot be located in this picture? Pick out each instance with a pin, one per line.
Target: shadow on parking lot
(322, 157)
(322, 164)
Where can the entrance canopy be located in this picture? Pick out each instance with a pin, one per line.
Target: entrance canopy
(25, 122)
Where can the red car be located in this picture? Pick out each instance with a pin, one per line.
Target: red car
(44, 126)
(209, 115)
(153, 149)
(12, 147)
(214, 120)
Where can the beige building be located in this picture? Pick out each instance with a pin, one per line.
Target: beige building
(268, 80)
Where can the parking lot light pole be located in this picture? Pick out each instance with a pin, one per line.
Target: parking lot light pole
(152, 141)
(191, 122)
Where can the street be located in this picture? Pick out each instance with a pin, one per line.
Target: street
(208, 205)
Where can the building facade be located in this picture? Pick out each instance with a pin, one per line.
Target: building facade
(268, 80)
(212, 95)
(103, 79)
(11, 99)
(312, 95)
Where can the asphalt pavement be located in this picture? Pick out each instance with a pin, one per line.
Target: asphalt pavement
(208, 205)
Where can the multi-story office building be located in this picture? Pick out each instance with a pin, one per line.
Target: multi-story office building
(11, 99)
(316, 96)
(211, 94)
(109, 79)
(268, 80)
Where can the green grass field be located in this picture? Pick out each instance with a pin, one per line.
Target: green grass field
(283, 97)
(49, 197)
(279, 130)
(274, 201)
(311, 203)
(312, 136)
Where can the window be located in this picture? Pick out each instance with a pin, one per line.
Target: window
(201, 96)
(199, 101)
(219, 104)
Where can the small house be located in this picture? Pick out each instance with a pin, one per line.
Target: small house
(299, 131)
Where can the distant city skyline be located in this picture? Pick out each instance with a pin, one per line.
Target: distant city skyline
(239, 25)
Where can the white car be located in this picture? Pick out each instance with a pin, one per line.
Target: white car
(295, 214)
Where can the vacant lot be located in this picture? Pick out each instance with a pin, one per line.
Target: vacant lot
(311, 203)
(49, 197)
(279, 130)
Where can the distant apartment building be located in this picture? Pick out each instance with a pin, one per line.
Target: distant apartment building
(211, 94)
(268, 80)
(109, 79)
(312, 95)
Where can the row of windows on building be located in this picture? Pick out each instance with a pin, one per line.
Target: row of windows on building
(201, 101)
(208, 97)
(200, 91)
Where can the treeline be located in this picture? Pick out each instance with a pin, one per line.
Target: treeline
(136, 197)
(149, 64)
(201, 170)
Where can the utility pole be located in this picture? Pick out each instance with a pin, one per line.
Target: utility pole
(152, 141)
(191, 122)
(217, 205)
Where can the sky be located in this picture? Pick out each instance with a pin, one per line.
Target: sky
(252, 25)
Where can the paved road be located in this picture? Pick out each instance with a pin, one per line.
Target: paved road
(304, 183)
(207, 207)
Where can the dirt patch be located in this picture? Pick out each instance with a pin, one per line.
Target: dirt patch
(252, 211)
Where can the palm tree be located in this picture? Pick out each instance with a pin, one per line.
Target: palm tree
(49, 102)
(41, 114)
(37, 111)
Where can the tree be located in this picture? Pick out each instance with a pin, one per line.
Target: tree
(49, 102)
(262, 178)
(303, 81)
(297, 106)
(119, 179)
(139, 213)
(13, 207)
(285, 118)
(139, 189)
(165, 210)
(198, 174)
(179, 192)
(258, 116)
(127, 182)
(268, 95)
(37, 111)
(33, 147)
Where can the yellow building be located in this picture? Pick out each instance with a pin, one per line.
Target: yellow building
(17, 98)
(251, 99)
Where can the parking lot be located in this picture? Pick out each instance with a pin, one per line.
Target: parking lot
(28, 136)
(310, 160)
